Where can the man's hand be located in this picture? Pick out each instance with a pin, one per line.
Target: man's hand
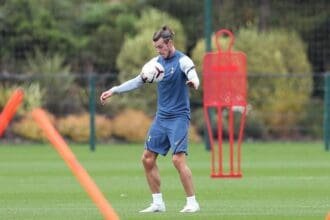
(192, 84)
(105, 95)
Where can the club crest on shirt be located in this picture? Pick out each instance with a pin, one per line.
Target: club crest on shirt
(172, 70)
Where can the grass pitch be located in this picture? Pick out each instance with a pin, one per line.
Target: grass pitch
(280, 181)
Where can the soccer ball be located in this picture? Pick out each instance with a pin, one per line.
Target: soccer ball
(152, 72)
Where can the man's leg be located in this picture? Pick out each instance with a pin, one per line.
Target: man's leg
(179, 161)
(153, 178)
(151, 170)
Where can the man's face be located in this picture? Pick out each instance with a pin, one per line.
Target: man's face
(164, 49)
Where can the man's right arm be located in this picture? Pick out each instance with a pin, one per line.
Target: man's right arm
(124, 87)
(128, 85)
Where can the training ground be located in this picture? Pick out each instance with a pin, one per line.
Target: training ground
(281, 180)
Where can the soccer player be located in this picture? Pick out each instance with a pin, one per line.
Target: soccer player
(169, 130)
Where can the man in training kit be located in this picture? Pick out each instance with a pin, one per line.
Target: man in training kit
(169, 129)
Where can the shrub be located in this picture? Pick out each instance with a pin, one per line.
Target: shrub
(27, 128)
(311, 124)
(255, 127)
(55, 78)
(35, 24)
(131, 125)
(77, 127)
(194, 137)
(5, 93)
(282, 90)
(282, 98)
(32, 97)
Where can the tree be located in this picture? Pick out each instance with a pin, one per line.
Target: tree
(103, 26)
(26, 25)
(89, 34)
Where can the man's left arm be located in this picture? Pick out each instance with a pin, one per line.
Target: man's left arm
(188, 67)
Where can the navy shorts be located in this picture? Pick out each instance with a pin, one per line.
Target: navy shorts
(166, 134)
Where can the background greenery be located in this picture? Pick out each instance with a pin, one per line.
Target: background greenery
(51, 48)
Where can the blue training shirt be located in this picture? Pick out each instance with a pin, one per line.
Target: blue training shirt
(173, 93)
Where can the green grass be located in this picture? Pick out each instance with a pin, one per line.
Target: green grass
(280, 181)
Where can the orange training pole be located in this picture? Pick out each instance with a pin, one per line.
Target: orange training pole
(10, 109)
(81, 174)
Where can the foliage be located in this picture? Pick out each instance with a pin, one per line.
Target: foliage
(73, 127)
(193, 135)
(89, 36)
(33, 98)
(104, 25)
(311, 124)
(77, 28)
(131, 125)
(33, 95)
(295, 15)
(5, 94)
(280, 96)
(283, 55)
(77, 127)
(54, 77)
(71, 28)
(255, 127)
(29, 24)
(27, 128)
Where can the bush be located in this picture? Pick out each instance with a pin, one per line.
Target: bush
(311, 124)
(131, 125)
(33, 95)
(282, 90)
(27, 128)
(103, 26)
(54, 77)
(33, 98)
(77, 127)
(34, 24)
(281, 99)
(194, 137)
(254, 126)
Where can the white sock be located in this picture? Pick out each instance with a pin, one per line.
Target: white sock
(191, 200)
(157, 198)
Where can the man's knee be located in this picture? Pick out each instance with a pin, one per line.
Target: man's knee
(148, 159)
(178, 160)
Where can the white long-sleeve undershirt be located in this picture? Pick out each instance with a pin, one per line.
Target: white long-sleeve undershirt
(128, 85)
